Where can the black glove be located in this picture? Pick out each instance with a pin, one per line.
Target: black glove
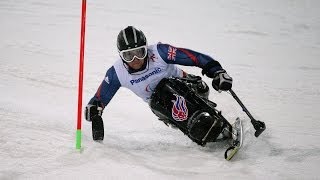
(221, 81)
(92, 110)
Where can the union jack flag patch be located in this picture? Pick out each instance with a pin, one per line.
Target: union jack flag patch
(172, 53)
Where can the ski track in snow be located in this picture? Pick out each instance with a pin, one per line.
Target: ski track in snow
(271, 49)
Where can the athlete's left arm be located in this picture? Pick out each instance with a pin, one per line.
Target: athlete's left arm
(187, 57)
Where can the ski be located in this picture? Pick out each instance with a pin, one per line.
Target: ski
(237, 140)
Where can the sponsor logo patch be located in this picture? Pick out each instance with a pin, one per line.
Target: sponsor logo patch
(145, 77)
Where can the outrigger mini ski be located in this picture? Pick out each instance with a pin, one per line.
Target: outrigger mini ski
(259, 126)
(237, 130)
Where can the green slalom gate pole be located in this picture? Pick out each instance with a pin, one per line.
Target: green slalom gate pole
(80, 88)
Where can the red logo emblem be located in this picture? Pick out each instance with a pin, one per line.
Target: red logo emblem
(179, 109)
(152, 57)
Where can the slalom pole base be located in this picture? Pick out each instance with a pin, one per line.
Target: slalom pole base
(78, 139)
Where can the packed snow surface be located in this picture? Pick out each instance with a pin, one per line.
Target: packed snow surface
(270, 48)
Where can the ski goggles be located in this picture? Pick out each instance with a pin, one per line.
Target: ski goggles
(130, 54)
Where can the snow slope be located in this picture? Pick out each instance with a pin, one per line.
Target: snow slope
(270, 48)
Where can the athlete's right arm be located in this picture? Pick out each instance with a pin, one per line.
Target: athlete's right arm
(104, 94)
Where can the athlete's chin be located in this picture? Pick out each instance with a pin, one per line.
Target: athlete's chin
(136, 65)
